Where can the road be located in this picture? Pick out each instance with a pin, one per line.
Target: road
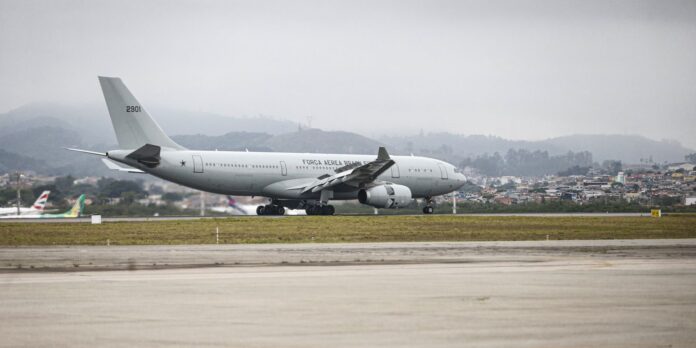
(633, 293)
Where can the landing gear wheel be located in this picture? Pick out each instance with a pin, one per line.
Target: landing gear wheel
(428, 210)
(327, 210)
(270, 210)
(320, 210)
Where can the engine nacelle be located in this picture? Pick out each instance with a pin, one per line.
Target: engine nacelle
(386, 196)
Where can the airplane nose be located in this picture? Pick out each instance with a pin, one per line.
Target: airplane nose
(461, 179)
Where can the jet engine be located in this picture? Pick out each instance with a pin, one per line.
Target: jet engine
(386, 196)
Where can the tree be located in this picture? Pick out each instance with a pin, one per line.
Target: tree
(612, 167)
(172, 197)
(691, 158)
(115, 188)
(574, 170)
(64, 183)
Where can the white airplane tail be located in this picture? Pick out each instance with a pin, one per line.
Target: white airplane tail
(133, 125)
(40, 203)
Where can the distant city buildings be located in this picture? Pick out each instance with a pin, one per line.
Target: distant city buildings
(643, 184)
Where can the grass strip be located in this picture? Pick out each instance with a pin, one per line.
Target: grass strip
(332, 229)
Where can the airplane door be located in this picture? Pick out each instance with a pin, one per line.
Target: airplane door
(395, 171)
(283, 168)
(443, 171)
(197, 164)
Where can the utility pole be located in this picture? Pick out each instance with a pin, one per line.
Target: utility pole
(202, 203)
(454, 202)
(19, 194)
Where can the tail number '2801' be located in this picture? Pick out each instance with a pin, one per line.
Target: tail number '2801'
(133, 108)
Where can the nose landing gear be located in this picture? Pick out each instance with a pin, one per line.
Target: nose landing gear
(428, 209)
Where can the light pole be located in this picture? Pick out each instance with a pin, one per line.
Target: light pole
(19, 193)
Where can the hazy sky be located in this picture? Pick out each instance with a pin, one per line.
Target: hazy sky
(518, 69)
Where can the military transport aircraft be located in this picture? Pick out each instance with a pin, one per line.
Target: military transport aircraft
(293, 180)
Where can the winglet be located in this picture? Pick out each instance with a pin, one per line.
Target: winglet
(382, 154)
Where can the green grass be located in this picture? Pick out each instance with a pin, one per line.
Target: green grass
(331, 229)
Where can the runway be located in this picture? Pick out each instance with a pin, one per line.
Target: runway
(138, 257)
(87, 219)
(630, 293)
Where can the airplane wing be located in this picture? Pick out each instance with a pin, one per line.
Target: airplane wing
(113, 166)
(353, 175)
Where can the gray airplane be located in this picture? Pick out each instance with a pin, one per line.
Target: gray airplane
(294, 180)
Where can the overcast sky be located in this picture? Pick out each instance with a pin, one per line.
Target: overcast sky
(517, 69)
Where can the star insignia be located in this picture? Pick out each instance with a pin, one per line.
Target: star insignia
(183, 163)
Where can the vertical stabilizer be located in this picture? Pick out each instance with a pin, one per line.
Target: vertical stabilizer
(77, 208)
(133, 125)
(41, 201)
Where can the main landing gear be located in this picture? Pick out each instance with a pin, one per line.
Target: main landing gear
(428, 209)
(320, 210)
(271, 209)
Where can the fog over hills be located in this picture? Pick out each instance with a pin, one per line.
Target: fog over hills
(302, 140)
(32, 137)
(93, 124)
(626, 148)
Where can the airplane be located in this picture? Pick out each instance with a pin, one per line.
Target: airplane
(74, 212)
(36, 208)
(235, 208)
(306, 181)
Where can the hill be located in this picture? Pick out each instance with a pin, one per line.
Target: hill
(626, 148)
(306, 140)
(94, 126)
(33, 136)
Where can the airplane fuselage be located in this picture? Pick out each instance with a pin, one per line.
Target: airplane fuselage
(272, 174)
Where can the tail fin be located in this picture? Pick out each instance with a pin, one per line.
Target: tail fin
(77, 208)
(41, 201)
(133, 125)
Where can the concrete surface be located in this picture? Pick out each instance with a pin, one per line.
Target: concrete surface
(79, 258)
(87, 219)
(522, 294)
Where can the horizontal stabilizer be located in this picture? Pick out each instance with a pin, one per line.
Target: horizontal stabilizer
(148, 155)
(113, 166)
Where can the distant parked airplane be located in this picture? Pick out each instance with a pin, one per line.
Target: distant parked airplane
(294, 180)
(235, 208)
(36, 208)
(74, 212)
